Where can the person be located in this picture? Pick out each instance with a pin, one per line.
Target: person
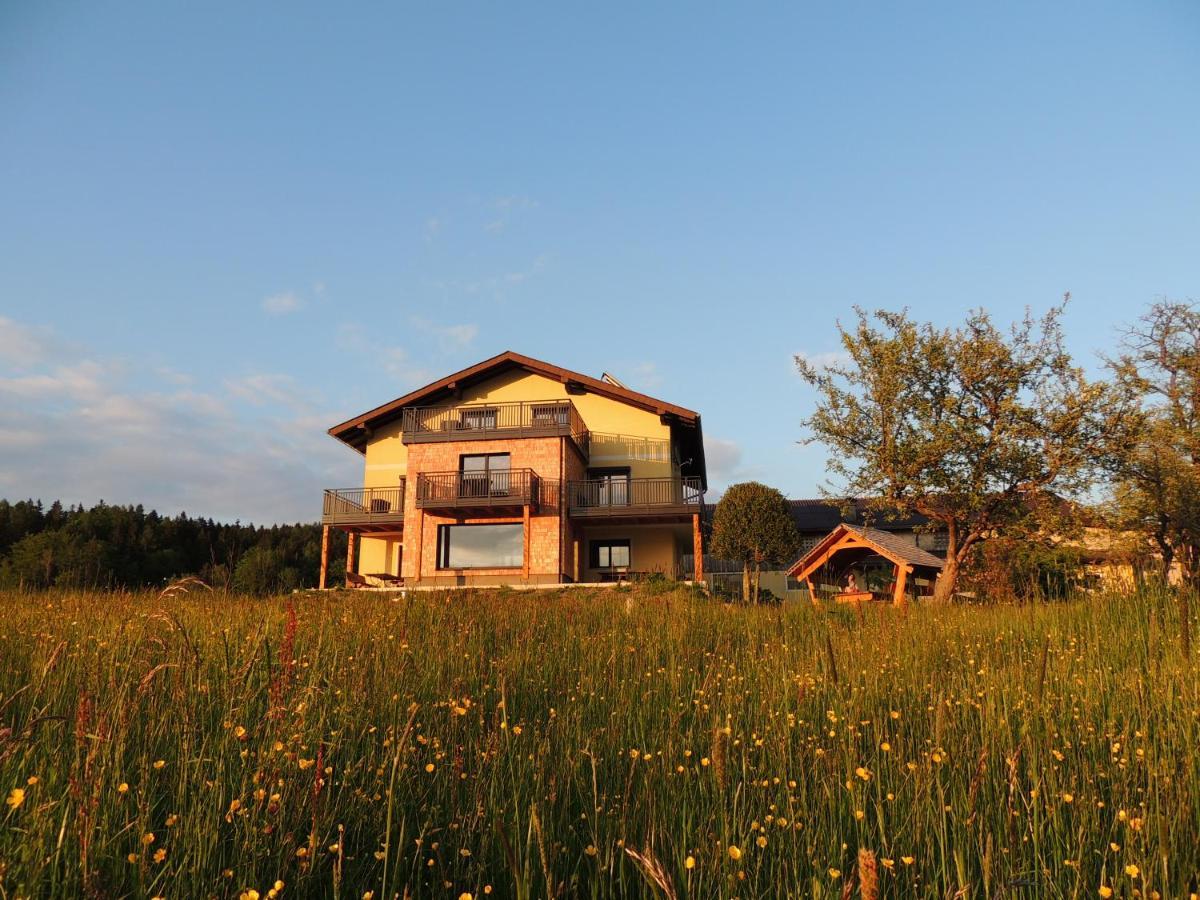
(851, 584)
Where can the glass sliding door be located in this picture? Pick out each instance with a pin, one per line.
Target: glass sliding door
(484, 475)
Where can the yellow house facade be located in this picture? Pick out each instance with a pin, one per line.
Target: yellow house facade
(517, 471)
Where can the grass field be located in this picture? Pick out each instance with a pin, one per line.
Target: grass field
(629, 742)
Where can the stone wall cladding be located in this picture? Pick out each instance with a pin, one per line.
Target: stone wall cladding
(543, 455)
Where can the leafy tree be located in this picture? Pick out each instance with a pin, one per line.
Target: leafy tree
(752, 524)
(127, 546)
(1158, 474)
(963, 425)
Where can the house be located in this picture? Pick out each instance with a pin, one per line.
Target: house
(516, 471)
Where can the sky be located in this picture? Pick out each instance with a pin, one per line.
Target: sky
(225, 227)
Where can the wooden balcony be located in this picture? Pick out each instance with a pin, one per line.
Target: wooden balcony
(652, 499)
(478, 492)
(489, 421)
(365, 509)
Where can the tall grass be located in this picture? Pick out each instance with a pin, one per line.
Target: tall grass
(601, 744)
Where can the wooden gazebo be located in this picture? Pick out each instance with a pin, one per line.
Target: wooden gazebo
(852, 544)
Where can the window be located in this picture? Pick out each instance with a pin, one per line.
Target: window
(480, 546)
(551, 414)
(483, 419)
(610, 554)
(484, 475)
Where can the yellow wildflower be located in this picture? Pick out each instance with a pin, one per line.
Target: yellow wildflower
(15, 798)
(734, 852)
(690, 862)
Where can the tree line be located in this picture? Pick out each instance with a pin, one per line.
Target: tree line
(111, 547)
(999, 437)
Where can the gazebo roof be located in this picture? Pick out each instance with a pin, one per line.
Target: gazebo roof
(851, 537)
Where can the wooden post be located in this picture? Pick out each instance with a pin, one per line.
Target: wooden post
(697, 550)
(525, 532)
(899, 598)
(351, 541)
(420, 546)
(812, 594)
(324, 556)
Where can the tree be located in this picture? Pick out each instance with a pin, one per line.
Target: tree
(752, 524)
(965, 425)
(1158, 474)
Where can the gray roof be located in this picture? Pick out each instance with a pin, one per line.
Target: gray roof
(894, 544)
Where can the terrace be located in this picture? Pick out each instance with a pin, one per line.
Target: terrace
(650, 498)
(486, 421)
(488, 491)
(365, 509)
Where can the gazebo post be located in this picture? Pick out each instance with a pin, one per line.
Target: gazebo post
(899, 598)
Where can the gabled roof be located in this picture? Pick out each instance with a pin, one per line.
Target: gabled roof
(886, 544)
(355, 431)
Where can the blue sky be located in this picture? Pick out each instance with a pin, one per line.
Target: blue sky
(224, 228)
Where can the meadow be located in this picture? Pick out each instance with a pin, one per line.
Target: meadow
(632, 742)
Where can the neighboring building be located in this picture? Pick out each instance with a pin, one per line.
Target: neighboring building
(515, 471)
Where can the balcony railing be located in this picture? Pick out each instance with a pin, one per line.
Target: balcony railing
(481, 490)
(480, 421)
(363, 506)
(635, 496)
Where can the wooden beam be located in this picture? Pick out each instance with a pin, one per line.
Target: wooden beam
(899, 598)
(525, 533)
(812, 593)
(324, 555)
(351, 542)
(697, 550)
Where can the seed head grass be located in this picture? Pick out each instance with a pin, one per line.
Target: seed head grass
(596, 743)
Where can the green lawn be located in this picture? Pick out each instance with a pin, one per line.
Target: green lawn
(592, 743)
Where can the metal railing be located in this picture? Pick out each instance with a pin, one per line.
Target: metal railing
(347, 506)
(507, 487)
(538, 418)
(634, 496)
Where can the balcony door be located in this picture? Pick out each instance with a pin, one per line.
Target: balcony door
(609, 487)
(484, 475)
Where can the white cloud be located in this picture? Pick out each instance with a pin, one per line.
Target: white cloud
(103, 429)
(722, 458)
(261, 389)
(826, 359)
(21, 345)
(449, 337)
(353, 339)
(282, 304)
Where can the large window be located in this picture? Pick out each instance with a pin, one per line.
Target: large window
(481, 546)
(610, 554)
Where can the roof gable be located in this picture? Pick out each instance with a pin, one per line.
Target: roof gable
(355, 431)
(886, 544)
